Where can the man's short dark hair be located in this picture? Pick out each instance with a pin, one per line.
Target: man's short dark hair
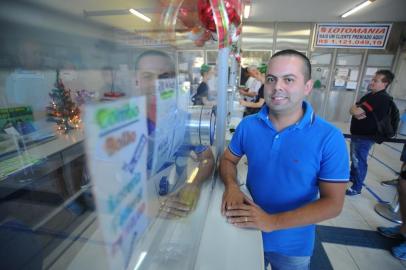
(307, 67)
(388, 76)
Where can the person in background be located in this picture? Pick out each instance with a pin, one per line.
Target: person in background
(363, 122)
(244, 75)
(297, 166)
(151, 66)
(253, 84)
(399, 231)
(202, 93)
(254, 106)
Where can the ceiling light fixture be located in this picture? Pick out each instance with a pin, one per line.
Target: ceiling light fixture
(355, 9)
(247, 9)
(139, 15)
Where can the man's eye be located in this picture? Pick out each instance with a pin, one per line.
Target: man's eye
(289, 80)
(270, 79)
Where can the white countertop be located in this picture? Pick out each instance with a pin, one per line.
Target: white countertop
(224, 246)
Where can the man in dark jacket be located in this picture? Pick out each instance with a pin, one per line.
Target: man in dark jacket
(370, 108)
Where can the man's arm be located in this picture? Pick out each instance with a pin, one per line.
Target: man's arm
(329, 205)
(228, 173)
(246, 92)
(357, 112)
(184, 200)
(205, 167)
(249, 104)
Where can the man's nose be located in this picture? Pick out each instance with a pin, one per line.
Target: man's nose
(278, 84)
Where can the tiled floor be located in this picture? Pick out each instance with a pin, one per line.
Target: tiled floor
(358, 213)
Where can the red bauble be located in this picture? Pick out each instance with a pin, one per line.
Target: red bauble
(187, 17)
(206, 13)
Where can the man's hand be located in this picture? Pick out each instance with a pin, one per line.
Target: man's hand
(249, 215)
(232, 197)
(243, 91)
(243, 102)
(357, 112)
(181, 203)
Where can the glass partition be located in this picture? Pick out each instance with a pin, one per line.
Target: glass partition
(104, 162)
(189, 64)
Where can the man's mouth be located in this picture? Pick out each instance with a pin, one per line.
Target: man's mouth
(278, 98)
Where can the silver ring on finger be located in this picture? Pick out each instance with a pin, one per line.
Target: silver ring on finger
(246, 219)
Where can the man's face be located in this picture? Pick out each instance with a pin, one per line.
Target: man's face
(377, 84)
(149, 69)
(285, 85)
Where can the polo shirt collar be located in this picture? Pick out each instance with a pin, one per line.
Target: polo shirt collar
(307, 119)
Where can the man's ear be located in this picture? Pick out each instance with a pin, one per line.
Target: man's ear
(308, 87)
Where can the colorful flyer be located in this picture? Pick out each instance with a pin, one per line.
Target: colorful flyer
(116, 147)
(166, 119)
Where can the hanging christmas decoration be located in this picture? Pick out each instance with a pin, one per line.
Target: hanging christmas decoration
(206, 16)
(188, 17)
(62, 110)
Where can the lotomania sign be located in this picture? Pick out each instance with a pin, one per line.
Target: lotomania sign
(360, 36)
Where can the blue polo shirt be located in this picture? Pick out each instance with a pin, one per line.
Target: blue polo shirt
(285, 167)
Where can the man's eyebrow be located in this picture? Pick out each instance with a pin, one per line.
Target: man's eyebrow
(283, 76)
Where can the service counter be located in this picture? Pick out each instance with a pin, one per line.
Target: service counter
(203, 240)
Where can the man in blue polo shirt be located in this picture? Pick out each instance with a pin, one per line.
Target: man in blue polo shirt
(297, 166)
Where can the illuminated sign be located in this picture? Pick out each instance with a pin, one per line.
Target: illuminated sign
(359, 36)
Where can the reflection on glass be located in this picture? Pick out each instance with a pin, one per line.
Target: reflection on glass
(189, 63)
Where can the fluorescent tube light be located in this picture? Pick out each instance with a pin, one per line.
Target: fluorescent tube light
(355, 9)
(247, 9)
(139, 15)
